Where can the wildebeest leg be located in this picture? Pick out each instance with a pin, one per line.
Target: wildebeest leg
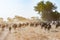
(57, 26)
(19, 25)
(49, 27)
(3, 26)
(45, 27)
(36, 25)
(27, 24)
(10, 29)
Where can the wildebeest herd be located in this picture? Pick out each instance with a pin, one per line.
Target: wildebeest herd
(45, 25)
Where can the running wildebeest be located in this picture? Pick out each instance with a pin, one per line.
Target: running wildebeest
(43, 25)
(31, 24)
(19, 24)
(48, 26)
(36, 24)
(58, 24)
(14, 26)
(3, 26)
(27, 24)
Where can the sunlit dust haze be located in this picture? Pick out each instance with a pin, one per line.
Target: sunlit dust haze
(25, 8)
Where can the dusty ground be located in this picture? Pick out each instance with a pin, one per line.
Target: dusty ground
(30, 33)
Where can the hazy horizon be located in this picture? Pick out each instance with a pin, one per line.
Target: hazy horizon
(24, 8)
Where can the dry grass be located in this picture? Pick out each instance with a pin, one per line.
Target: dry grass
(33, 33)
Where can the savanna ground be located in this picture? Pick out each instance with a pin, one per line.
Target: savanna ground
(30, 33)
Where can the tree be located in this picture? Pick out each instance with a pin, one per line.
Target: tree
(40, 7)
(46, 11)
(55, 15)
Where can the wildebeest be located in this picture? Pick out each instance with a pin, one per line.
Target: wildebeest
(48, 26)
(36, 24)
(14, 26)
(58, 24)
(3, 26)
(19, 25)
(9, 28)
(31, 24)
(45, 25)
(27, 24)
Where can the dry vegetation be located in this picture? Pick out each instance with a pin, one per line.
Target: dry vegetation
(33, 33)
(29, 33)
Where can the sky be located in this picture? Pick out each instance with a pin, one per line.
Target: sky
(24, 8)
